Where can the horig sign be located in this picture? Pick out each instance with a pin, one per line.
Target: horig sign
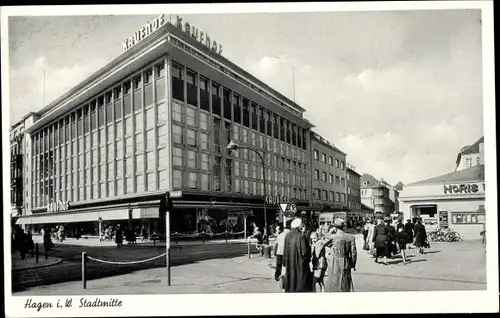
(467, 188)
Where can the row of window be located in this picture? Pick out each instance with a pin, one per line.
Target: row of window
(340, 181)
(331, 196)
(210, 96)
(111, 106)
(338, 163)
(354, 205)
(468, 218)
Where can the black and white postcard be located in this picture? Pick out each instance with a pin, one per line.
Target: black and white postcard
(216, 159)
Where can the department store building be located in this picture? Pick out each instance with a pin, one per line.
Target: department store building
(156, 119)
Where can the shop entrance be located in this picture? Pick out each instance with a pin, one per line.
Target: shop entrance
(428, 214)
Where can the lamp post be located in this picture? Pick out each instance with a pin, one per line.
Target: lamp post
(234, 146)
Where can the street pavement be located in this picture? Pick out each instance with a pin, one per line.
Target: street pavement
(70, 268)
(445, 266)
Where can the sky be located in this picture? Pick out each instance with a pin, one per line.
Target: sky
(399, 91)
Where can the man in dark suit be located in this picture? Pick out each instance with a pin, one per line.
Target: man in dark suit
(296, 258)
(409, 233)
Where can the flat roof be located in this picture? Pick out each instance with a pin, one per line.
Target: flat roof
(162, 31)
(475, 173)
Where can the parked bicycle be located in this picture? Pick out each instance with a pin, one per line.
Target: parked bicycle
(444, 235)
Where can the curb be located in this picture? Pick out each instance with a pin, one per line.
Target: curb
(37, 267)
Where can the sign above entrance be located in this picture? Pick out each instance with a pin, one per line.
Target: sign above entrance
(276, 199)
(199, 36)
(464, 188)
(146, 30)
(57, 206)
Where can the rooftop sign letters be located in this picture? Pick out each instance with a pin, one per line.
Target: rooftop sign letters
(199, 36)
(146, 30)
(464, 188)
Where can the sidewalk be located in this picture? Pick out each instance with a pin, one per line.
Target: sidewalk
(446, 266)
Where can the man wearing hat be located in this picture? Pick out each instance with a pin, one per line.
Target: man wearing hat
(342, 259)
(296, 258)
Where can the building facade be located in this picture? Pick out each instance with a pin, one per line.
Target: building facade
(158, 118)
(329, 176)
(17, 180)
(376, 195)
(471, 155)
(454, 200)
(354, 194)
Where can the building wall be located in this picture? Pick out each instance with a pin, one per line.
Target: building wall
(353, 191)
(17, 154)
(121, 141)
(233, 113)
(329, 174)
(367, 197)
(454, 207)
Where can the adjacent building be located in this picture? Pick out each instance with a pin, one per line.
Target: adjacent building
(17, 180)
(329, 176)
(376, 195)
(158, 118)
(354, 194)
(454, 200)
(471, 155)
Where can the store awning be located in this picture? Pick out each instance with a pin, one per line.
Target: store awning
(88, 215)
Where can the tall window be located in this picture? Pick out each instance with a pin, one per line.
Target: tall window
(246, 115)
(216, 99)
(323, 158)
(177, 82)
(254, 109)
(227, 103)
(204, 93)
(229, 175)
(217, 174)
(237, 108)
(330, 161)
(316, 174)
(137, 91)
(316, 155)
(192, 88)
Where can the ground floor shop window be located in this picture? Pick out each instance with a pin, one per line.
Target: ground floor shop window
(467, 218)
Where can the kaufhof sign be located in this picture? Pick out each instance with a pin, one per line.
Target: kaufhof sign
(58, 206)
(144, 32)
(184, 26)
(464, 188)
(198, 35)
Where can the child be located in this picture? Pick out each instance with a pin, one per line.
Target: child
(401, 241)
(318, 263)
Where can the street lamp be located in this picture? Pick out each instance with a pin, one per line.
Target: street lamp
(234, 146)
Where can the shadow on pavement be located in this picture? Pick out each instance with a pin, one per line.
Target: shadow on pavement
(70, 269)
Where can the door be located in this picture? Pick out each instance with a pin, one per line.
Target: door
(443, 219)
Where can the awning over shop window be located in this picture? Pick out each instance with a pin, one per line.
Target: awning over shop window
(83, 215)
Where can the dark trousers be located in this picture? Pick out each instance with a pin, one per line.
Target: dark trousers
(279, 265)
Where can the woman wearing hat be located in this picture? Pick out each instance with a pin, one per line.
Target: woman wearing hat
(342, 260)
(381, 240)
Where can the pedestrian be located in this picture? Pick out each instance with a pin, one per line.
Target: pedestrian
(366, 228)
(30, 245)
(118, 236)
(318, 263)
(381, 239)
(401, 241)
(144, 233)
(369, 238)
(47, 240)
(279, 247)
(399, 225)
(392, 236)
(257, 234)
(420, 236)
(296, 258)
(342, 261)
(409, 233)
